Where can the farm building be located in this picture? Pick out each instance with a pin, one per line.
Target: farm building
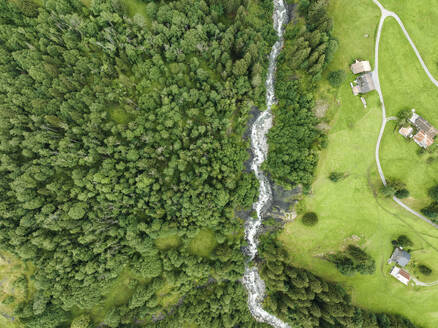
(422, 139)
(364, 84)
(360, 66)
(406, 132)
(400, 275)
(400, 257)
(426, 132)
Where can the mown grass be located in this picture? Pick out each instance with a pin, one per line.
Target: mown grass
(419, 18)
(400, 159)
(351, 26)
(405, 85)
(351, 211)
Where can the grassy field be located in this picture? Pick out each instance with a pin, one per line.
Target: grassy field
(351, 211)
(355, 30)
(419, 18)
(405, 85)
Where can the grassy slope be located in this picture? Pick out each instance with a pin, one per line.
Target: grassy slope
(406, 85)
(419, 18)
(350, 207)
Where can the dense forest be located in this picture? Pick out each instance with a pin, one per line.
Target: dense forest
(122, 161)
(294, 140)
(121, 150)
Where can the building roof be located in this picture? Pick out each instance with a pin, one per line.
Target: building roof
(360, 67)
(406, 132)
(423, 125)
(365, 83)
(401, 275)
(422, 139)
(400, 256)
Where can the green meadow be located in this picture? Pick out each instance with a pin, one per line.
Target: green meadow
(405, 85)
(352, 211)
(419, 18)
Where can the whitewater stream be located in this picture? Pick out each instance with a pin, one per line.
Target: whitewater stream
(259, 146)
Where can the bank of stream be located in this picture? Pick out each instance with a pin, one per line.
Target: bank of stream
(259, 147)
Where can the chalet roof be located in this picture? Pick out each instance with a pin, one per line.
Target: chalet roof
(400, 275)
(365, 83)
(400, 256)
(406, 132)
(423, 125)
(404, 274)
(360, 67)
(423, 139)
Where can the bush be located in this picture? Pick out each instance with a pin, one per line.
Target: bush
(343, 263)
(433, 193)
(402, 193)
(387, 191)
(336, 78)
(310, 219)
(404, 241)
(336, 176)
(403, 117)
(357, 253)
(431, 211)
(353, 260)
(425, 269)
(393, 186)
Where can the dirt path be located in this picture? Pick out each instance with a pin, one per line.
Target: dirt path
(385, 14)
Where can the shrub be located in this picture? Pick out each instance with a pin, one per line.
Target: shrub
(387, 191)
(357, 253)
(9, 300)
(343, 263)
(431, 211)
(336, 176)
(402, 193)
(366, 267)
(393, 186)
(433, 193)
(310, 219)
(353, 260)
(403, 117)
(404, 241)
(425, 269)
(336, 78)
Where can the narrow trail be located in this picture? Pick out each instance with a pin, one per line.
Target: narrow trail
(385, 14)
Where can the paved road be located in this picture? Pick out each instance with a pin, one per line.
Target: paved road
(386, 14)
(424, 284)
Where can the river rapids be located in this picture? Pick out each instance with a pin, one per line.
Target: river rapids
(259, 146)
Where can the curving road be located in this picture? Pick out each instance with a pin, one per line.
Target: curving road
(424, 284)
(385, 14)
